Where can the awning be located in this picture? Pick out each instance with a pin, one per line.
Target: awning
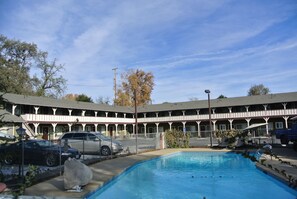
(7, 117)
(255, 126)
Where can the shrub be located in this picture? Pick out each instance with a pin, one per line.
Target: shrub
(177, 139)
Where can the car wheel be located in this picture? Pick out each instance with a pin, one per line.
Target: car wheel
(8, 159)
(50, 160)
(105, 151)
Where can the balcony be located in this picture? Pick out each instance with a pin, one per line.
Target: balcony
(32, 118)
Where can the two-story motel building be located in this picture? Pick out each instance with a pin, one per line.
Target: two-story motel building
(46, 115)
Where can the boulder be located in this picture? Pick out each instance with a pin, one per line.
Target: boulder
(76, 174)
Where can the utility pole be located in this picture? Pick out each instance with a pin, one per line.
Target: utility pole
(115, 84)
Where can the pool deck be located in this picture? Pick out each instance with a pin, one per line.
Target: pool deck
(106, 170)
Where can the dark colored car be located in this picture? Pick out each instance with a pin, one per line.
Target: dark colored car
(37, 151)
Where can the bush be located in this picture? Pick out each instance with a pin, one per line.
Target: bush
(177, 139)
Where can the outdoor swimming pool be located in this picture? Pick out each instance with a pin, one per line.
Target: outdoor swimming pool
(209, 175)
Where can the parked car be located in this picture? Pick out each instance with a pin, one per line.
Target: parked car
(37, 151)
(91, 143)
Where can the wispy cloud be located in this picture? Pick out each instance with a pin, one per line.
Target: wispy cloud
(225, 46)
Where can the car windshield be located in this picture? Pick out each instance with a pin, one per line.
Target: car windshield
(45, 143)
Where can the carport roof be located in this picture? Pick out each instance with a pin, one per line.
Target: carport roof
(7, 117)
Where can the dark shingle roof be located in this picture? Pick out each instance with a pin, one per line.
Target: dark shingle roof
(200, 104)
(223, 102)
(59, 103)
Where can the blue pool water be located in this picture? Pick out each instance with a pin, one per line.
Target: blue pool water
(195, 175)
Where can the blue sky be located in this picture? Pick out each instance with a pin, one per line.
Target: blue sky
(225, 46)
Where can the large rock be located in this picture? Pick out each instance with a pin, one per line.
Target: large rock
(76, 174)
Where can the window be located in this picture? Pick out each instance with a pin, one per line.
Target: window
(222, 127)
(79, 136)
(279, 125)
(91, 136)
(67, 136)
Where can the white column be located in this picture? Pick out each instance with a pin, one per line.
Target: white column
(248, 121)
(124, 115)
(70, 111)
(144, 124)
(231, 121)
(116, 129)
(286, 121)
(265, 107)
(96, 127)
(106, 129)
(157, 114)
(36, 109)
(169, 112)
(266, 120)
(116, 114)
(184, 126)
(170, 125)
(125, 127)
(84, 126)
(213, 110)
(133, 129)
(106, 114)
(214, 125)
(157, 124)
(230, 109)
(35, 127)
(54, 127)
(144, 115)
(247, 108)
(70, 126)
(198, 112)
(83, 113)
(13, 109)
(54, 110)
(96, 113)
(184, 113)
(198, 128)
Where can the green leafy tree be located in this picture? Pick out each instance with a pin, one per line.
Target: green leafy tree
(222, 96)
(83, 98)
(259, 89)
(135, 80)
(17, 58)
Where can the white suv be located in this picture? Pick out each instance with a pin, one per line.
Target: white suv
(91, 143)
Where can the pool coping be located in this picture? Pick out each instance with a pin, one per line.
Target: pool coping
(105, 171)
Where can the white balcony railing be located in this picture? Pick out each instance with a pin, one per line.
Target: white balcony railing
(32, 118)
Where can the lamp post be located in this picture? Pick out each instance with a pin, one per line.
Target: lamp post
(136, 123)
(209, 113)
(21, 132)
